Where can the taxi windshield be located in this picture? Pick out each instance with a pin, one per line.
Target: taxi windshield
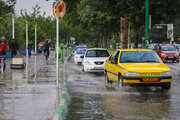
(139, 57)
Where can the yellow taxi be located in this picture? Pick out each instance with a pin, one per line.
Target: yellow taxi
(138, 67)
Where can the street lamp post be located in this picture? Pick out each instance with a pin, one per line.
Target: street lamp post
(146, 24)
(35, 38)
(26, 38)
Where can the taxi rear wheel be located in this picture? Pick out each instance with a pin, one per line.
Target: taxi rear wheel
(107, 78)
(121, 83)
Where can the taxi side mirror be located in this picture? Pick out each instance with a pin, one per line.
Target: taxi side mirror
(114, 62)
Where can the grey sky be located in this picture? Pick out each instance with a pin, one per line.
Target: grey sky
(28, 4)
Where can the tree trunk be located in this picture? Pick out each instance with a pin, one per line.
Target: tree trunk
(129, 36)
(116, 40)
(123, 33)
(136, 38)
(108, 39)
(101, 40)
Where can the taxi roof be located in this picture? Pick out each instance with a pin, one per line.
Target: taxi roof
(135, 49)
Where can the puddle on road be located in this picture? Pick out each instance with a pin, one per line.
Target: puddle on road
(119, 106)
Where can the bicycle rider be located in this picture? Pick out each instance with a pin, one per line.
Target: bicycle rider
(46, 47)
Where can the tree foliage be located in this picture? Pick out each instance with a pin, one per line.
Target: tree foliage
(94, 22)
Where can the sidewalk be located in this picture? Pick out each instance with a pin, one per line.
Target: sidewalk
(30, 93)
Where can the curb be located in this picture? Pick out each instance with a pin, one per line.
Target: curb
(62, 108)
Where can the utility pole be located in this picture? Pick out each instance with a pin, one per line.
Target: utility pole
(57, 51)
(36, 12)
(146, 24)
(26, 38)
(35, 38)
(12, 25)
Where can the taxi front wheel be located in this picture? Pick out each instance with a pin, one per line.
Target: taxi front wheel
(121, 83)
(107, 79)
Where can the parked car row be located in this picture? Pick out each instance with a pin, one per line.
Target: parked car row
(142, 67)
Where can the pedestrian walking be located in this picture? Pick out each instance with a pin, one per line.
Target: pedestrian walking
(14, 48)
(4, 46)
(29, 50)
(67, 44)
(47, 47)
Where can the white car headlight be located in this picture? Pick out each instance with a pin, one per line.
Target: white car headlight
(131, 74)
(166, 73)
(87, 63)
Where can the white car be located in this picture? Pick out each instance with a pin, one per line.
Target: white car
(78, 53)
(79, 47)
(94, 59)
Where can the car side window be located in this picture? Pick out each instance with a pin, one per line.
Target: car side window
(114, 57)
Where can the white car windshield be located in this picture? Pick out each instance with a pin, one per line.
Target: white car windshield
(79, 47)
(139, 57)
(97, 53)
(81, 51)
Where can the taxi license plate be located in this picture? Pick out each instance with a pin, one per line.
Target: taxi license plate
(151, 79)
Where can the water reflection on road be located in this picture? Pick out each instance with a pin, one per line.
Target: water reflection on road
(139, 106)
(29, 94)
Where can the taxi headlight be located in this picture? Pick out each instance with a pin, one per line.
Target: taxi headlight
(131, 74)
(166, 73)
(87, 63)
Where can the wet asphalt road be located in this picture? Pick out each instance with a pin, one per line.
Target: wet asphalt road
(31, 94)
(92, 99)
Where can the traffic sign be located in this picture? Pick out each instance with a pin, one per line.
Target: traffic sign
(169, 30)
(59, 9)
